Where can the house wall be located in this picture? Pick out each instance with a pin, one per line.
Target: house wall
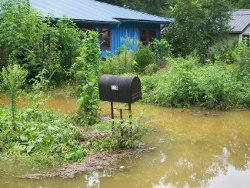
(124, 33)
(127, 34)
(246, 32)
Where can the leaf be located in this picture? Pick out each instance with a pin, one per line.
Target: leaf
(24, 138)
(29, 148)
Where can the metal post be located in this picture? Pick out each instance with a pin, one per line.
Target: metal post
(112, 117)
(112, 111)
(121, 116)
(130, 113)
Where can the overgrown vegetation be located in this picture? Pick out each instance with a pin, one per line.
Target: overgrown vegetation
(146, 60)
(86, 71)
(185, 82)
(47, 138)
(36, 42)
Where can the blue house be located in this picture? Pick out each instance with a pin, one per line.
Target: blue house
(115, 24)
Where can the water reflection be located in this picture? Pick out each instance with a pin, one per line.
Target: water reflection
(93, 179)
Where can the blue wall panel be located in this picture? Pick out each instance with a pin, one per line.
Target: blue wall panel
(126, 33)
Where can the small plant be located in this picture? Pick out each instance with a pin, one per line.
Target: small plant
(13, 79)
(86, 70)
(39, 85)
(126, 135)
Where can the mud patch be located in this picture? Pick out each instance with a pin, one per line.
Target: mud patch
(93, 162)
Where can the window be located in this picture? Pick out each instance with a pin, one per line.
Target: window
(147, 35)
(105, 38)
(247, 39)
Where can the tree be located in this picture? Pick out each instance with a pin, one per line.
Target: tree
(21, 33)
(198, 25)
(240, 4)
(145, 6)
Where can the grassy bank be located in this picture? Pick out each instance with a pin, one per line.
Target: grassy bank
(47, 138)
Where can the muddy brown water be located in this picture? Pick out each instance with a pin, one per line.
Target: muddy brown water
(193, 149)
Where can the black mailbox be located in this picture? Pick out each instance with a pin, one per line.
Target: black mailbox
(124, 89)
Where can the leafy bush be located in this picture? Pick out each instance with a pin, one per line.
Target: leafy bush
(150, 69)
(37, 42)
(185, 82)
(21, 34)
(144, 56)
(119, 64)
(224, 53)
(162, 49)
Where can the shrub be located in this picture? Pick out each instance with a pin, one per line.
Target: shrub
(185, 82)
(162, 49)
(37, 42)
(144, 56)
(119, 64)
(13, 79)
(21, 34)
(151, 69)
(224, 53)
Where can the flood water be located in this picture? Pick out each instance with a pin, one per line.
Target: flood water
(193, 149)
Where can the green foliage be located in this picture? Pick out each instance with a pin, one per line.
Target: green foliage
(198, 24)
(151, 69)
(144, 56)
(21, 34)
(126, 134)
(86, 73)
(162, 48)
(119, 64)
(225, 53)
(36, 42)
(240, 4)
(64, 48)
(42, 137)
(186, 83)
(13, 79)
(145, 6)
(124, 61)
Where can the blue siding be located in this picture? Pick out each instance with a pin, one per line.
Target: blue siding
(123, 31)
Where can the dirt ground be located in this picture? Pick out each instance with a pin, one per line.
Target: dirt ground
(90, 163)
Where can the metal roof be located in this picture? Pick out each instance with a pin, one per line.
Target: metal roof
(93, 11)
(240, 20)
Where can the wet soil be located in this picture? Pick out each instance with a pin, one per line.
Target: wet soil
(92, 162)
